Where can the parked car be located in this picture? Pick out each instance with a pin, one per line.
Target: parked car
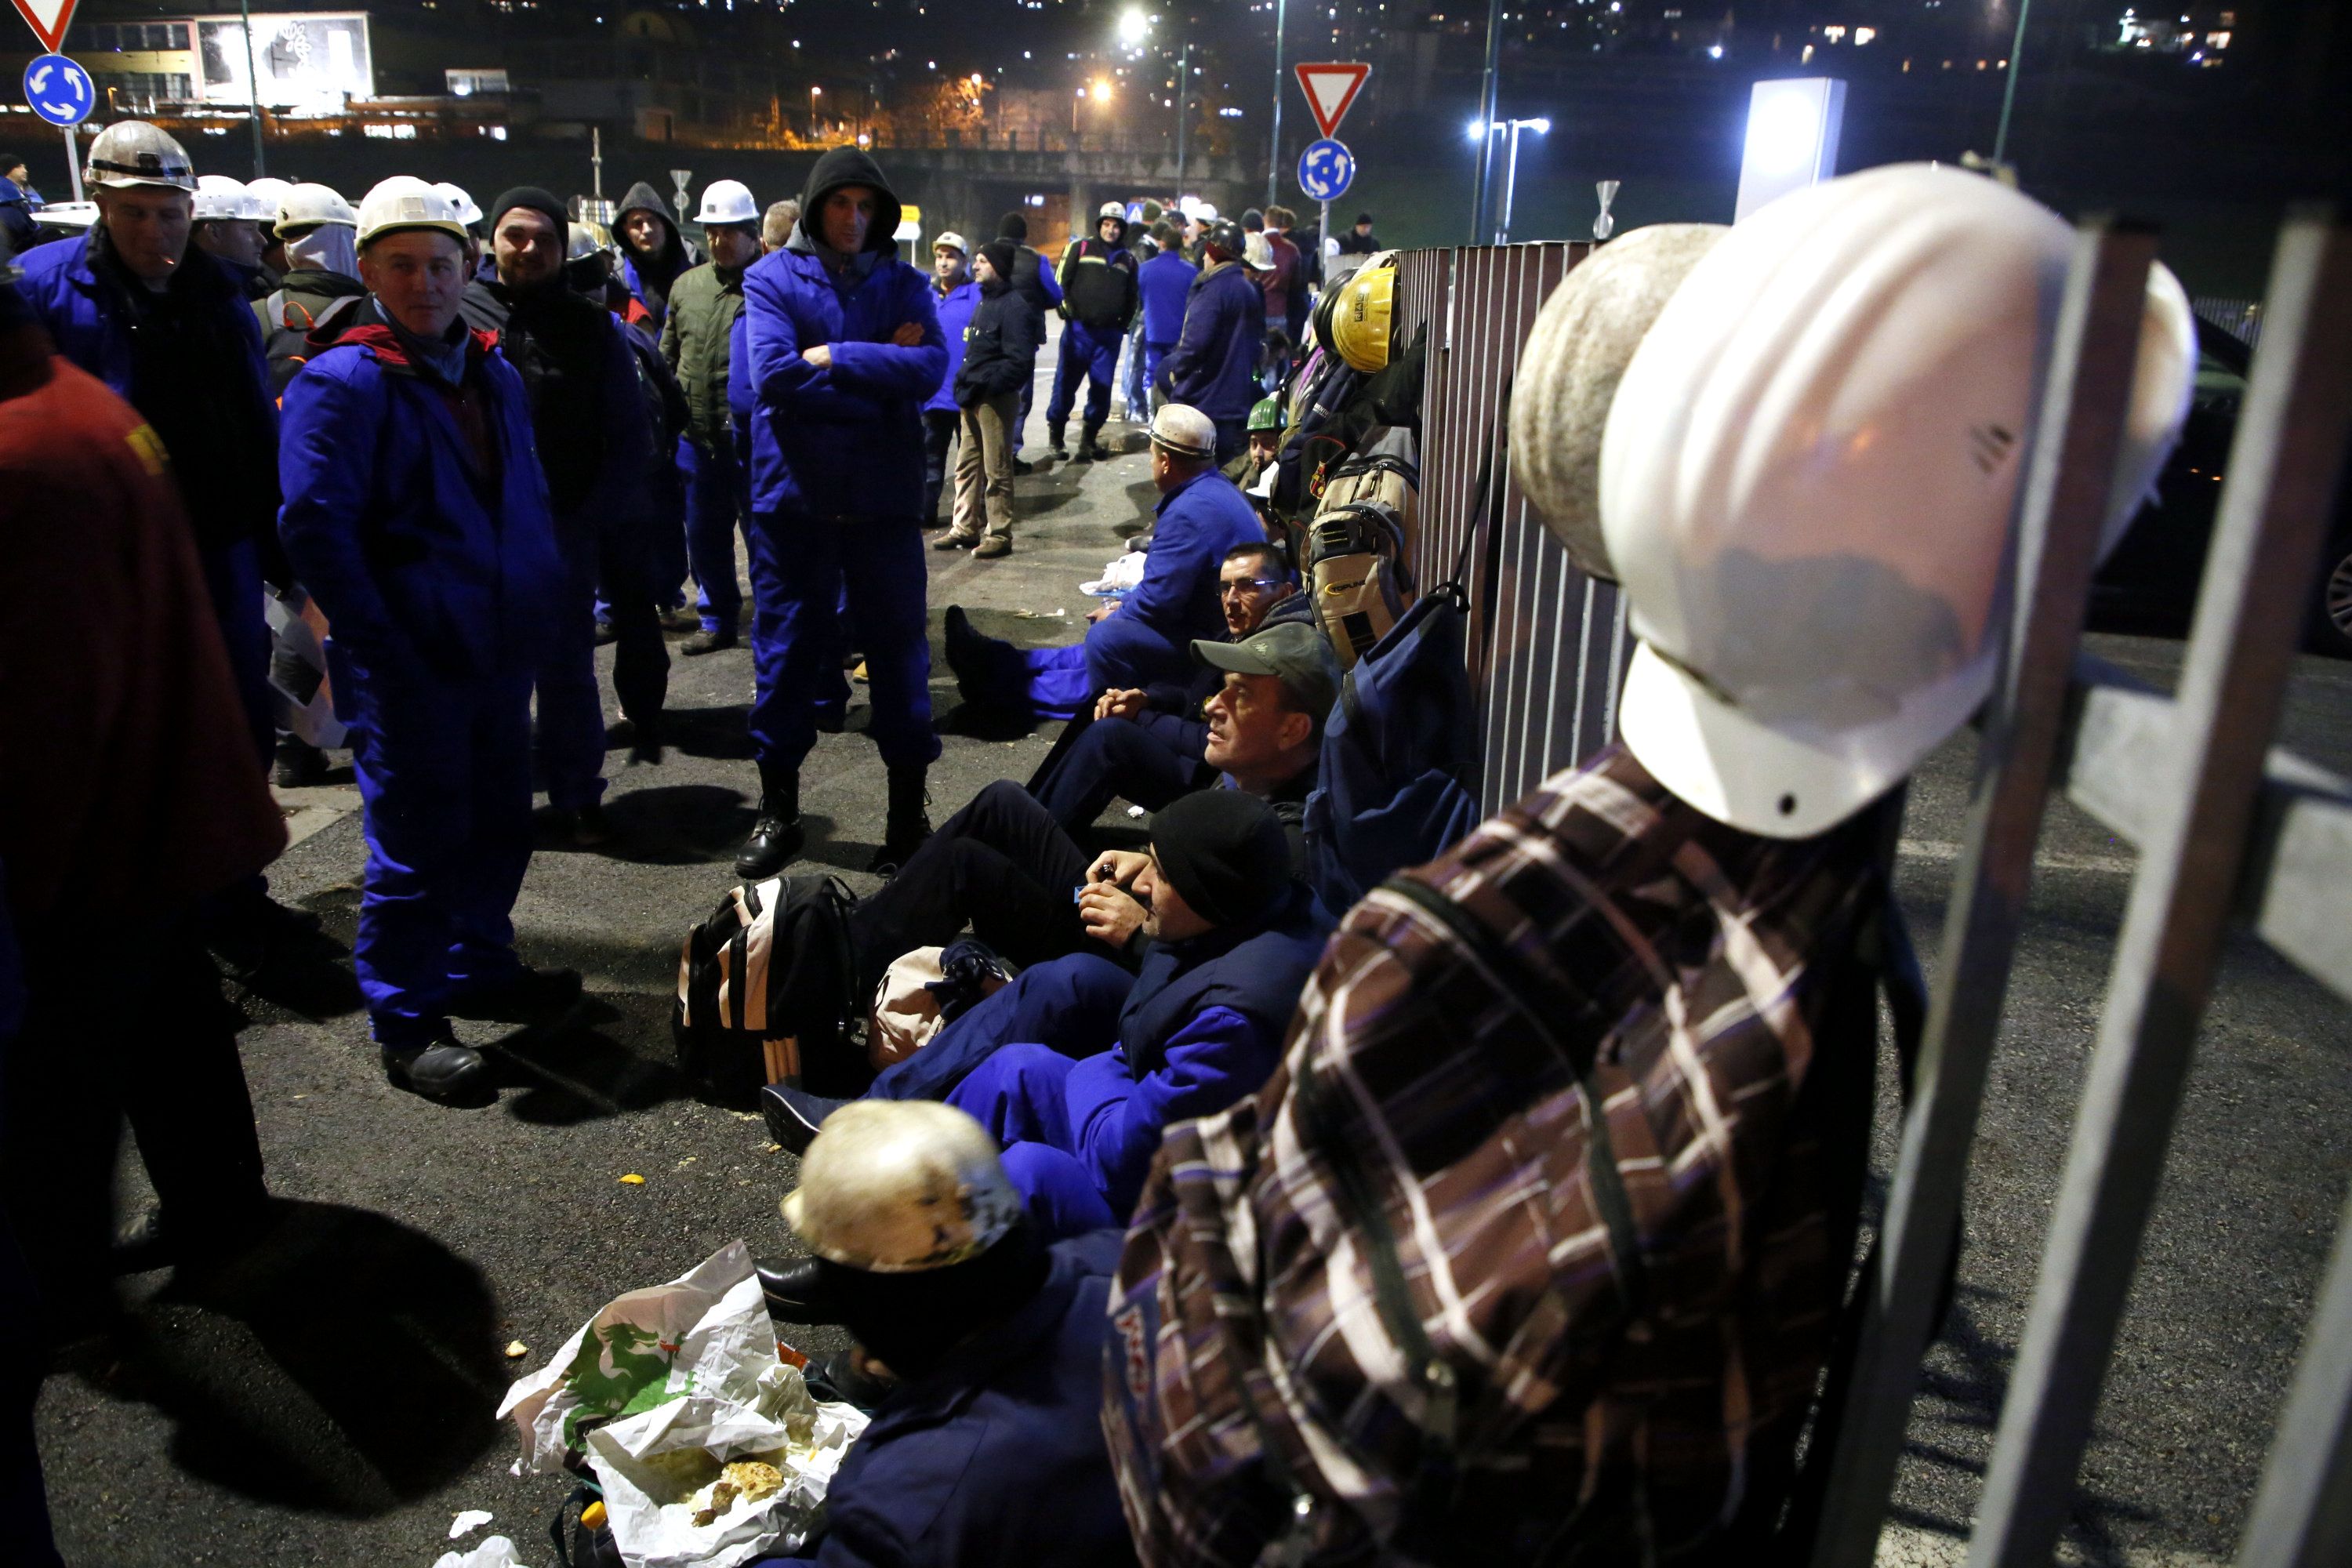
(2149, 584)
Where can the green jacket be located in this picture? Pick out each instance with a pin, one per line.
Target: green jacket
(703, 305)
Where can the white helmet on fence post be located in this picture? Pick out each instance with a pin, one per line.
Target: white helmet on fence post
(406, 202)
(901, 1186)
(727, 201)
(133, 153)
(308, 205)
(1808, 476)
(219, 199)
(469, 212)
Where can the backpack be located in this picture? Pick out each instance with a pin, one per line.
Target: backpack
(1397, 777)
(288, 346)
(1358, 574)
(766, 990)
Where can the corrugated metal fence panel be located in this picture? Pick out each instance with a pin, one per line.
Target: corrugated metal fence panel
(1547, 643)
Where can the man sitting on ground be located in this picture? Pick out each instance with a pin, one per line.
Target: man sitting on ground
(1003, 865)
(988, 1449)
(1141, 638)
(1233, 939)
(1150, 745)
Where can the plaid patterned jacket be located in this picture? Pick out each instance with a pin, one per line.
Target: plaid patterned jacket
(1623, 1363)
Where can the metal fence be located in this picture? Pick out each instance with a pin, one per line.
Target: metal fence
(1547, 643)
(2227, 829)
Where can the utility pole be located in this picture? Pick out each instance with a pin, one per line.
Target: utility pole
(1274, 150)
(2009, 88)
(252, 89)
(1486, 106)
(1184, 108)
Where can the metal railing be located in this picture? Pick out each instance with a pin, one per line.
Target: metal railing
(2228, 829)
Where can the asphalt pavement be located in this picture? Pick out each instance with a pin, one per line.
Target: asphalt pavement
(330, 1400)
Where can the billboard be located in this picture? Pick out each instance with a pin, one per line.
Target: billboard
(303, 60)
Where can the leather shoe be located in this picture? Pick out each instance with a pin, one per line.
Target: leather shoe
(794, 1288)
(440, 1069)
(992, 548)
(532, 996)
(775, 841)
(794, 1115)
(710, 641)
(952, 539)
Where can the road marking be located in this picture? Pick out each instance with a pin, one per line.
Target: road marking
(315, 809)
(1899, 1547)
(2046, 860)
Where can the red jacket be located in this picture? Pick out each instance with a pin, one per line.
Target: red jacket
(128, 774)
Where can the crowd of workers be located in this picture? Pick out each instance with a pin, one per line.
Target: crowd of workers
(469, 445)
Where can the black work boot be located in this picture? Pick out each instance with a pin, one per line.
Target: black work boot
(907, 825)
(776, 836)
(1090, 446)
(443, 1069)
(1054, 441)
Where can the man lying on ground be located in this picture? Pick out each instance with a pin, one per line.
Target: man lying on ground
(1200, 1026)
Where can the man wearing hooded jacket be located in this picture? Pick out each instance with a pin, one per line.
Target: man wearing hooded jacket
(594, 448)
(844, 348)
(1098, 298)
(653, 253)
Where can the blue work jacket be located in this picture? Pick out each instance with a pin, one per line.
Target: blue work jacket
(844, 439)
(1202, 1029)
(1198, 524)
(423, 555)
(956, 307)
(1213, 365)
(65, 291)
(1164, 281)
(997, 1455)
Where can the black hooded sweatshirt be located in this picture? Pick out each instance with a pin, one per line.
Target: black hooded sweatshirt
(556, 341)
(649, 276)
(845, 166)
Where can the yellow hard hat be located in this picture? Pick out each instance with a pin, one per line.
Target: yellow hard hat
(1360, 325)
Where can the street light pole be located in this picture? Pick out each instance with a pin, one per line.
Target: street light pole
(1273, 149)
(1183, 109)
(253, 88)
(1511, 176)
(2009, 88)
(1486, 103)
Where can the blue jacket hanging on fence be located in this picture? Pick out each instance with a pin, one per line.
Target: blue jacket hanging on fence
(847, 438)
(1214, 366)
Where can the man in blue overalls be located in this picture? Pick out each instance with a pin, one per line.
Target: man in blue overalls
(416, 515)
(1098, 298)
(844, 349)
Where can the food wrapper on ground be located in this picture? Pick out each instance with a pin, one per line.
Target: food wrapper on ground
(666, 1388)
(497, 1552)
(1117, 577)
(703, 1483)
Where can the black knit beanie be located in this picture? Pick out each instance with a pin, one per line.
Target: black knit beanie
(1000, 254)
(538, 200)
(1224, 852)
(1013, 227)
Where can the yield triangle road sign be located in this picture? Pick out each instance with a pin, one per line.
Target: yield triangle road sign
(1330, 89)
(48, 18)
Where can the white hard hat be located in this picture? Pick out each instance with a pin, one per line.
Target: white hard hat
(1579, 348)
(1257, 252)
(307, 205)
(1808, 479)
(406, 202)
(727, 201)
(219, 198)
(901, 1186)
(468, 212)
(953, 241)
(1184, 430)
(1111, 209)
(270, 190)
(133, 153)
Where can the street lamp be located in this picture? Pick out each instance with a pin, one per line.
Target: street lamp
(1132, 26)
(1481, 131)
(815, 92)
